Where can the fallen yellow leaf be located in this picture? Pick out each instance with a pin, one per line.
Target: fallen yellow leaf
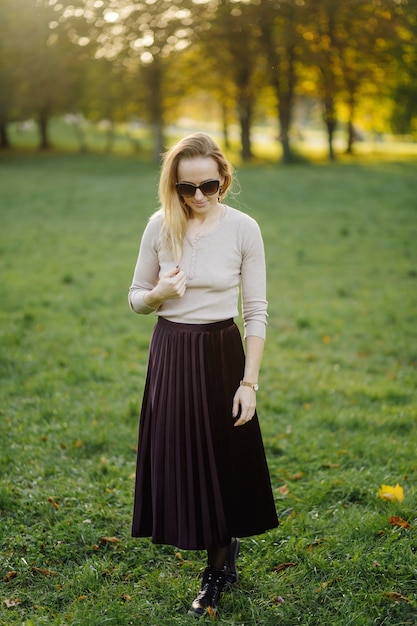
(392, 494)
(179, 556)
(296, 476)
(283, 490)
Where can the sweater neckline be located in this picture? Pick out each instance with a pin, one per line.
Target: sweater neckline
(212, 230)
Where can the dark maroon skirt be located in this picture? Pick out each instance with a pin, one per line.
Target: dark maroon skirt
(199, 480)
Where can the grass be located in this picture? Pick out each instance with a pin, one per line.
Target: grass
(337, 403)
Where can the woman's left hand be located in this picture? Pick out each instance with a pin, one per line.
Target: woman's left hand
(245, 400)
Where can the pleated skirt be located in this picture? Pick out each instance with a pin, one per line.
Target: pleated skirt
(199, 479)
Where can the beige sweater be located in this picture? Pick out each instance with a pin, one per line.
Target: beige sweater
(216, 264)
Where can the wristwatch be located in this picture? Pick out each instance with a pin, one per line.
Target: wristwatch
(254, 386)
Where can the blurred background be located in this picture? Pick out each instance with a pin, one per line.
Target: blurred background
(288, 75)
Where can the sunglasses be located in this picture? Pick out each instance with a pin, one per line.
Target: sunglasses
(187, 190)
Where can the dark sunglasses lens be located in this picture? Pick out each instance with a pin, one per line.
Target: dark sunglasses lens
(186, 190)
(210, 187)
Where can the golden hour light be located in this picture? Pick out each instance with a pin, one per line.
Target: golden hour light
(111, 16)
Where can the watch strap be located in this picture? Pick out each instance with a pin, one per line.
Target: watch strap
(245, 383)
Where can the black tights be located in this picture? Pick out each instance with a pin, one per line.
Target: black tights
(217, 556)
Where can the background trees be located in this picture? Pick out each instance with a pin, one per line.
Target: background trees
(150, 59)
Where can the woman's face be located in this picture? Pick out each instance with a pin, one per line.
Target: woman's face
(198, 170)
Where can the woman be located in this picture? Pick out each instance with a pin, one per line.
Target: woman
(202, 478)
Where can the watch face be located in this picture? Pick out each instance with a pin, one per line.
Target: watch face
(256, 386)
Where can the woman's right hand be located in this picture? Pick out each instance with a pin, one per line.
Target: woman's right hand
(171, 285)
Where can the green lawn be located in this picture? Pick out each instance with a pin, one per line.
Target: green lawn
(338, 398)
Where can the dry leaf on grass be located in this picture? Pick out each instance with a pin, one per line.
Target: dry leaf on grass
(44, 571)
(283, 490)
(53, 503)
(398, 521)
(126, 597)
(296, 476)
(179, 557)
(283, 566)
(10, 603)
(324, 585)
(396, 597)
(105, 540)
(9, 576)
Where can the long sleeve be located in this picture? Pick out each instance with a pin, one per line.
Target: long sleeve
(146, 272)
(253, 277)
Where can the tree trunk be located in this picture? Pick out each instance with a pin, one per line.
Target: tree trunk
(330, 120)
(285, 122)
(350, 137)
(350, 127)
(110, 137)
(245, 118)
(158, 145)
(225, 119)
(43, 129)
(4, 137)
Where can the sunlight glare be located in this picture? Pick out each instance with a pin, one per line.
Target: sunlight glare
(111, 16)
(182, 44)
(182, 14)
(146, 57)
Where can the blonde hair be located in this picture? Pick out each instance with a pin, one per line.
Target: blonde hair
(174, 210)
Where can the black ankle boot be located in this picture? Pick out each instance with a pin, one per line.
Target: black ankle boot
(208, 597)
(231, 572)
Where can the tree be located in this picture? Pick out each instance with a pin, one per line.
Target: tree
(404, 91)
(8, 21)
(350, 45)
(321, 52)
(367, 40)
(142, 36)
(280, 42)
(47, 63)
(232, 43)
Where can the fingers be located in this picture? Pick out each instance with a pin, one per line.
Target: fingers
(180, 283)
(174, 283)
(245, 400)
(174, 272)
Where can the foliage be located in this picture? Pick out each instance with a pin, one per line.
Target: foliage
(337, 401)
(117, 60)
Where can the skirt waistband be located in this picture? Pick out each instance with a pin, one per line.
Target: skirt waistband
(162, 321)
